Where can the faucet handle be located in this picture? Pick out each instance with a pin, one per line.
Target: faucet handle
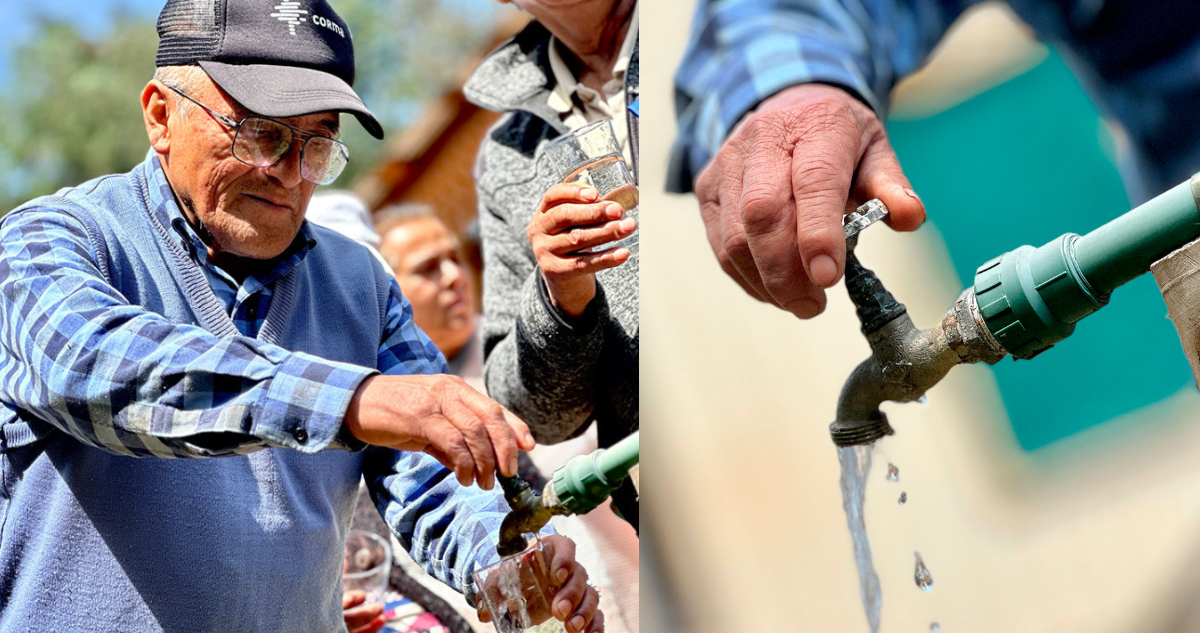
(869, 213)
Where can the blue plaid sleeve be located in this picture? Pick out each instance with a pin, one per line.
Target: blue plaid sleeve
(76, 354)
(450, 530)
(405, 349)
(743, 51)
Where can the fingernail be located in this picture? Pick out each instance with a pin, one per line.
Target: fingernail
(627, 225)
(563, 608)
(589, 194)
(806, 308)
(912, 194)
(528, 437)
(561, 575)
(577, 623)
(512, 465)
(823, 271)
(614, 210)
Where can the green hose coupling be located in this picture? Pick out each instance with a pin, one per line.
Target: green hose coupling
(1031, 298)
(587, 480)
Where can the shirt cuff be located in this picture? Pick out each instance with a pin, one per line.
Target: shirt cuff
(306, 402)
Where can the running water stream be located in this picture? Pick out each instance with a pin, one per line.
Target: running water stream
(856, 464)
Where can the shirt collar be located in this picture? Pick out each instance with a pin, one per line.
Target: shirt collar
(163, 205)
(567, 86)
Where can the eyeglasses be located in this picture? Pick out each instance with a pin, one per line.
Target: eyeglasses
(262, 142)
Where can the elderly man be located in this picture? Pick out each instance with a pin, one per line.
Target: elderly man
(561, 336)
(185, 309)
(780, 108)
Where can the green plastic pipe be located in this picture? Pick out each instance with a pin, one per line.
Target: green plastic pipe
(587, 480)
(1124, 248)
(1031, 298)
(616, 460)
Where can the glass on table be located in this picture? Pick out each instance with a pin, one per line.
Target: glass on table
(518, 592)
(368, 563)
(592, 156)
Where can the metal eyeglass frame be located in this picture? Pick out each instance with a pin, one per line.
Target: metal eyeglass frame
(308, 136)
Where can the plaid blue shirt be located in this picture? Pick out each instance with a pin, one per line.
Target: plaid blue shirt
(193, 391)
(121, 377)
(743, 51)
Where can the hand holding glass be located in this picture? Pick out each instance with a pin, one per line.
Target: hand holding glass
(591, 156)
(518, 592)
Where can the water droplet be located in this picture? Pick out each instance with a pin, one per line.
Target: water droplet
(922, 399)
(893, 473)
(921, 575)
(903, 498)
(935, 627)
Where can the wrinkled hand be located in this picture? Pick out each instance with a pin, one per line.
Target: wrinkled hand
(441, 415)
(575, 602)
(359, 617)
(570, 220)
(773, 198)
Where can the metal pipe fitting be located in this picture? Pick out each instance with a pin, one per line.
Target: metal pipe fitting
(528, 515)
(1020, 304)
(578, 487)
(905, 362)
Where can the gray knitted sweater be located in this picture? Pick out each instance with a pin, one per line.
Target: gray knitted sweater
(557, 373)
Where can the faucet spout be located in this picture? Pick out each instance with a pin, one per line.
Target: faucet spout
(528, 515)
(905, 361)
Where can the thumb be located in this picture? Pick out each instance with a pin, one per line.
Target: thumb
(879, 176)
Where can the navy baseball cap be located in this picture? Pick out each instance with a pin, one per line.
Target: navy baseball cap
(278, 58)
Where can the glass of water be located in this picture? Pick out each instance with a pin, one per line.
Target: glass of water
(592, 156)
(368, 563)
(518, 592)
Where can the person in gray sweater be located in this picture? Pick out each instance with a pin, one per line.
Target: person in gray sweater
(561, 334)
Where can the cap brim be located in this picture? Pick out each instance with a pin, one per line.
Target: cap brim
(288, 91)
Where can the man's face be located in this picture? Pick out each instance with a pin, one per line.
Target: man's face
(250, 212)
(426, 259)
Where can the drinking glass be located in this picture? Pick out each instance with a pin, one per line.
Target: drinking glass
(592, 156)
(368, 563)
(518, 592)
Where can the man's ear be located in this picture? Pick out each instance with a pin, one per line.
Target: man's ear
(156, 115)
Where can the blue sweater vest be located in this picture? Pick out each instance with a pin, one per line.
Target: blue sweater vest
(94, 541)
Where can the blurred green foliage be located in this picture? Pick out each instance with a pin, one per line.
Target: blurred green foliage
(72, 112)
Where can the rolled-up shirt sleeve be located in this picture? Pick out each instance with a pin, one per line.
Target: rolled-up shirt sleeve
(76, 354)
(744, 51)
